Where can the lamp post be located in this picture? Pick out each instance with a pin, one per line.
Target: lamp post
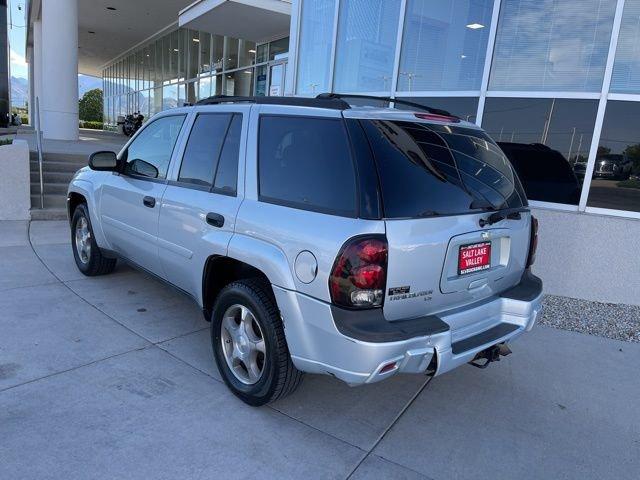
(4, 66)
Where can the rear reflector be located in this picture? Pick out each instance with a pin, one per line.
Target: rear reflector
(533, 243)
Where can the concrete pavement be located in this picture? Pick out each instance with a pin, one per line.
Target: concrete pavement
(113, 377)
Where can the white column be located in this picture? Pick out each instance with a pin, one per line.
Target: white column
(59, 100)
(36, 67)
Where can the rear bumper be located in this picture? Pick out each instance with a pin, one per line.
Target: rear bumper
(356, 348)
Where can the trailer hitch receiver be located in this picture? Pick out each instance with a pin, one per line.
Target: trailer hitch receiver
(491, 354)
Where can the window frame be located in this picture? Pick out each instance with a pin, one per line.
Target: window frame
(124, 155)
(298, 206)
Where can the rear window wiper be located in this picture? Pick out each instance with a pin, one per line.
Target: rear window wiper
(499, 215)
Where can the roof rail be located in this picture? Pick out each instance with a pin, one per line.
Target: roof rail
(339, 96)
(332, 103)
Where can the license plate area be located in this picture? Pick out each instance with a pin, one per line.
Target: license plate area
(474, 257)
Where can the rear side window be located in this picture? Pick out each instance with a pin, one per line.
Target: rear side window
(429, 170)
(306, 163)
(203, 149)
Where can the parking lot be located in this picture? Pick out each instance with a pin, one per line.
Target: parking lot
(113, 377)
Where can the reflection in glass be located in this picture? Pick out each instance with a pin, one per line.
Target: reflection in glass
(261, 81)
(205, 52)
(230, 53)
(547, 140)
(217, 53)
(239, 83)
(440, 49)
(465, 108)
(204, 88)
(169, 97)
(626, 69)
(279, 49)
(193, 66)
(246, 53)
(314, 49)
(550, 45)
(367, 31)
(616, 174)
(262, 54)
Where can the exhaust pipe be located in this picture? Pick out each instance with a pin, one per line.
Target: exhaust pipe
(491, 354)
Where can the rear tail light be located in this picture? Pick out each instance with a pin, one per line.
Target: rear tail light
(533, 243)
(359, 274)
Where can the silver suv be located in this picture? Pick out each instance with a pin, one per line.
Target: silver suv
(318, 237)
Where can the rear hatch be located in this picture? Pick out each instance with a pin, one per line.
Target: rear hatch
(440, 181)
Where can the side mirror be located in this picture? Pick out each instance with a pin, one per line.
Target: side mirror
(141, 167)
(103, 161)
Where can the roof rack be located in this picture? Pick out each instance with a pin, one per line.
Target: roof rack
(340, 96)
(332, 103)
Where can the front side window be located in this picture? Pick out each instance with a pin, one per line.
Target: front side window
(550, 45)
(203, 149)
(306, 163)
(150, 153)
(444, 44)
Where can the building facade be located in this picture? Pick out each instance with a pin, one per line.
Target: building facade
(555, 82)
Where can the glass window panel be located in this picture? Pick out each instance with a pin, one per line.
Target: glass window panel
(262, 54)
(626, 69)
(279, 49)
(193, 66)
(547, 140)
(203, 148)
(168, 74)
(184, 47)
(157, 100)
(550, 45)
(182, 97)
(316, 39)
(205, 52)
(230, 53)
(616, 175)
(367, 31)
(174, 56)
(216, 85)
(217, 53)
(191, 92)
(465, 108)
(169, 97)
(239, 83)
(227, 171)
(297, 163)
(439, 50)
(204, 88)
(247, 53)
(261, 81)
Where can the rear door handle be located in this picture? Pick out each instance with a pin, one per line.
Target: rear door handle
(149, 202)
(215, 219)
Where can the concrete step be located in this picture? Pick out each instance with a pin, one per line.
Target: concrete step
(57, 167)
(50, 201)
(60, 157)
(51, 177)
(49, 214)
(50, 188)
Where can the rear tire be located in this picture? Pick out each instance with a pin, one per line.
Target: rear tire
(86, 253)
(249, 344)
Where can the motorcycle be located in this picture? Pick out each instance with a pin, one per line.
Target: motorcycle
(132, 123)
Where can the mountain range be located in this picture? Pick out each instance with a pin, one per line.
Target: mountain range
(20, 88)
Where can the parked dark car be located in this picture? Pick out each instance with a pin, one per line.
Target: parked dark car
(615, 166)
(545, 174)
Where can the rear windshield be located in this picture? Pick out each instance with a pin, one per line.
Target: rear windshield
(429, 170)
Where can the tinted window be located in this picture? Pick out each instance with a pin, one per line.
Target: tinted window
(227, 174)
(615, 182)
(428, 170)
(306, 163)
(150, 153)
(203, 149)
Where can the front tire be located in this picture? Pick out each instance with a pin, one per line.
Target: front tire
(86, 253)
(249, 344)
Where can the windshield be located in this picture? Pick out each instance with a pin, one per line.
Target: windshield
(428, 170)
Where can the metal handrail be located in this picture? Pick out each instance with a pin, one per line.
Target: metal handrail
(39, 148)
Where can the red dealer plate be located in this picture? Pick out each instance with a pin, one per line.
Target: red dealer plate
(474, 258)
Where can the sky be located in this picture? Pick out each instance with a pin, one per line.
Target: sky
(17, 38)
